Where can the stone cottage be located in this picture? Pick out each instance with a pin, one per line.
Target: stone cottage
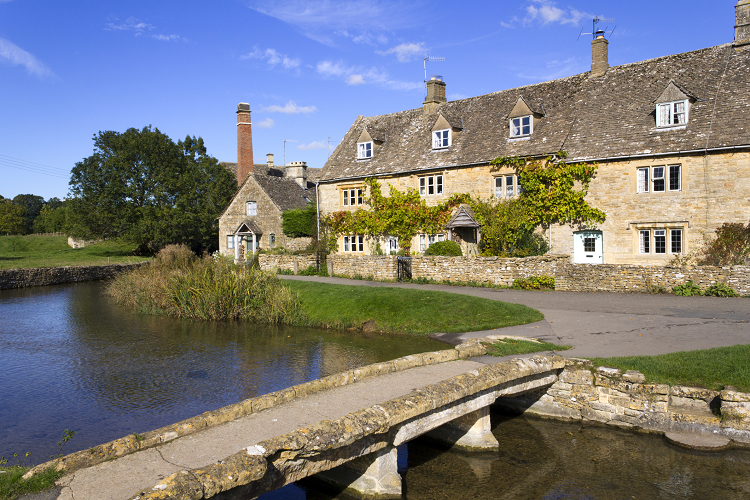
(671, 137)
(252, 220)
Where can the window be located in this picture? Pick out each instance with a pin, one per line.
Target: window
(271, 239)
(251, 208)
(230, 242)
(425, 240)
(431, 184)
(355, 243)
(589, 244)
(661, 179)
(660, 241)
(521, 126)
(351, 197)
(507, 186)
(364, 150)
(675, 238)
(644, 241)
(671, 113)
(391, 245)
(643, 180)
(441, 139)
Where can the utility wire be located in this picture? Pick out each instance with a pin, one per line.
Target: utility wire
(38, 168)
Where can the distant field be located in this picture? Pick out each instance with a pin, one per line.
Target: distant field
(21, 252)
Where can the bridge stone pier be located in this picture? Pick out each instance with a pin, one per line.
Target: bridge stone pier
(344, 429)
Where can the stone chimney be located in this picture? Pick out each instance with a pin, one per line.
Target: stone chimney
(742, 28)
(297, 170)
(269, 160)
(599, 56)
(435, 94)
(244, 143)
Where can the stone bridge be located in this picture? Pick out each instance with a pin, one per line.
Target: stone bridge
(343, 429)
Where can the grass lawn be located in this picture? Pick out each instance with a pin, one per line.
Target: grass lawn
(398, 310)
(53, 251)
(11, 484)
(708, 368)
(506, 347)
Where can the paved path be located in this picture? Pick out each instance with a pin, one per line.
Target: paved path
(603, 324)
(127, 476)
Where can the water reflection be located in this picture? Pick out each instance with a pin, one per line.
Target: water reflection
(71, 359)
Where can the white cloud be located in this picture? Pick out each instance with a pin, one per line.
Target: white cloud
(267, 123)
(557, 69)
(355, 75)
(312, 145)
(130, 24)
(290, 108)
(547, 12)
(406, 51)
(364, 37)
(16, 56)
(273, 58)
(170, 38)
(362, 20)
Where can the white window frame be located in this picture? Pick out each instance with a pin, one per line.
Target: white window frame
(672, 234)
(648, 177)
(644, 241)
(354, 243)
(668, 113)
(351, 197)
(668, 173)
(502, 185)
(660, 233)
(662, 177)
(430, 185)
(425, 240)
(442, 139)
(642, 179)
(251, 208)
(364, 150)
(230, 242)
(517, 126)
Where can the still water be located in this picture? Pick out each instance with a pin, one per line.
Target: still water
(70, 359)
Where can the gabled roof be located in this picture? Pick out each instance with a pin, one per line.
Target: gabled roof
(283, 191)
(248, 226)
(606, 116)
(464, 217)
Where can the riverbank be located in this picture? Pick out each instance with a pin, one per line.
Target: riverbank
(49, 251)
(42, 276)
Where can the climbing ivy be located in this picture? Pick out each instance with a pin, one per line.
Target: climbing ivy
(400, 214)
(554, 190)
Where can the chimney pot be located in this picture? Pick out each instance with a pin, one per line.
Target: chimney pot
(435, 94)
(600, 56)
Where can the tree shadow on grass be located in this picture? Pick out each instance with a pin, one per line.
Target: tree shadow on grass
(11, 258)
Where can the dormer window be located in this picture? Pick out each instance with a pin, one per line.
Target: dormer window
(441, 139)
(672, 113)
(364, 150)
(521, 126)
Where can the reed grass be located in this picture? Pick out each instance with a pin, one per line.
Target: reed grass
(178, 283)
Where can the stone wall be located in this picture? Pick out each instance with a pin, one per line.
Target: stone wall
(294, 263)
(379, 267)
(626, 400)
(494, 270)
(20, 278)
(629, 278)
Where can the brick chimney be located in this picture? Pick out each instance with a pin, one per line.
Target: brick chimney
(742, 28)
(244, 143)
(599, 56)
(435, 94)
(269, 160)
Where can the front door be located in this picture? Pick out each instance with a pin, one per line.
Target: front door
(588, 247)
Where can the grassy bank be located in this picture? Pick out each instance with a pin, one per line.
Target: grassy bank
(709, 368)
(511, 346)
(399, 310)
(23, 252)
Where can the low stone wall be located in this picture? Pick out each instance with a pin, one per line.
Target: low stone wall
(626, 400)
(39, 276)
(630, 278)
(379, 267)
(294, 263)
(494, 270)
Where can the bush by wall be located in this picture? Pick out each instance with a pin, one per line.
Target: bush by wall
(445, 248)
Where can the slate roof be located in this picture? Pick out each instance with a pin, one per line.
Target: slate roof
(590, 117)
(283, 191)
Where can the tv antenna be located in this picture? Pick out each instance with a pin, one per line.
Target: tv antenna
(285, 141)
(598, 32)
(430, 58)
(329, 145)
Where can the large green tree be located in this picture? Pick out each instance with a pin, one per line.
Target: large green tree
(33, 206)
(142, 186)
(12, 219)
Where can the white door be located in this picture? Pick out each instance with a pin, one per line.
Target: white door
(587, 247)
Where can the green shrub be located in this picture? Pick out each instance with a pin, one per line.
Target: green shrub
(730, 247)
(720, 290)
(300, 222)
(689, 289)
(445, 248)
(534, 283)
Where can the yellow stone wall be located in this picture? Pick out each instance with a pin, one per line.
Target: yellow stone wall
(714, 189)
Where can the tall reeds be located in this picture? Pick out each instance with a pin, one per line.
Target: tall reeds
(180, 284)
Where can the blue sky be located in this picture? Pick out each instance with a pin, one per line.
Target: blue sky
(69, 69)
